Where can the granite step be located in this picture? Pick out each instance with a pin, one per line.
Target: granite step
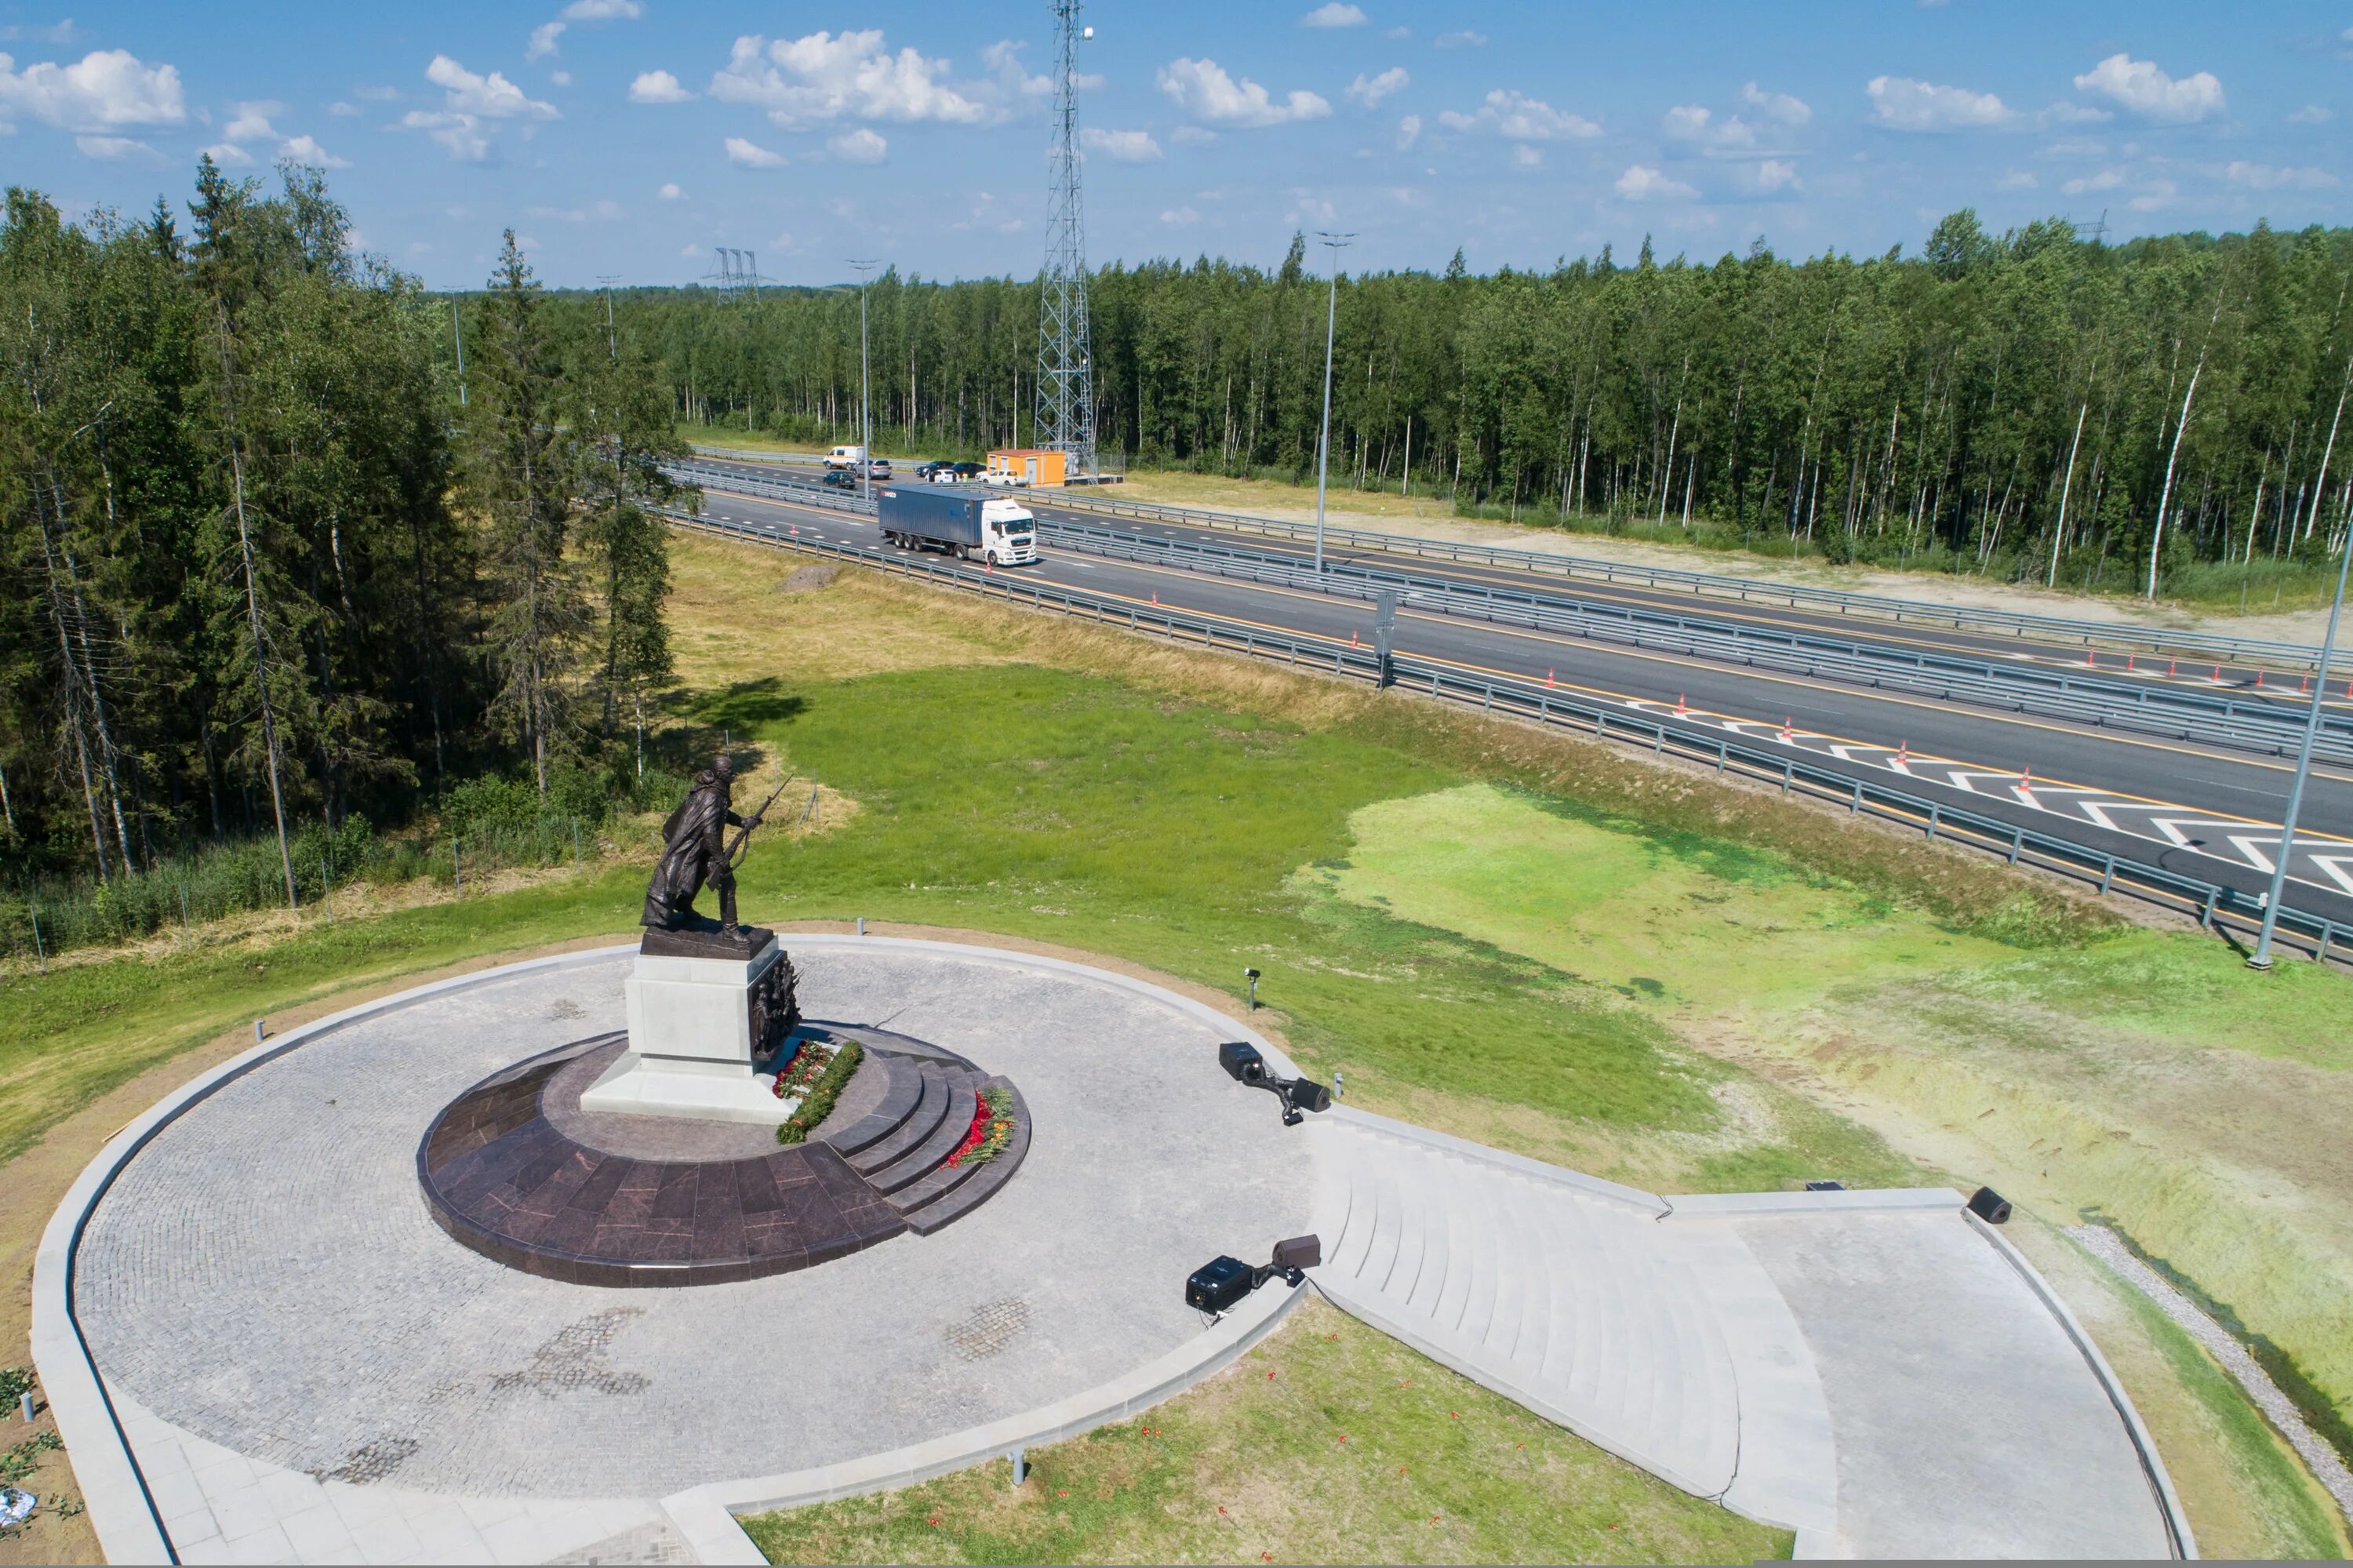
(921, 1122)
(866, 1115)
(925, 1157)
(952, 1191)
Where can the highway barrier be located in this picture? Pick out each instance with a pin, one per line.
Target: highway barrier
(2185, 713)
(2216, 907)
(2159, 640)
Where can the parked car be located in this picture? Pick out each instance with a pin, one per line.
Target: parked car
(967, 471)
(939, 471)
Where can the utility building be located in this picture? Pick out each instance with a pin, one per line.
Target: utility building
(1031, 465)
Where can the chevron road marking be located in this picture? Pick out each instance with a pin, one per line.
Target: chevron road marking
(2322, 860)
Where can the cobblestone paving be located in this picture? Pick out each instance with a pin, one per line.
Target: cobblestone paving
(265, 1276)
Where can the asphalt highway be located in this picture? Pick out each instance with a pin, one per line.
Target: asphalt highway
(2201, 809)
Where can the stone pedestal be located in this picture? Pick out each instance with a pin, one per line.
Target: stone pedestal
(706, 1009)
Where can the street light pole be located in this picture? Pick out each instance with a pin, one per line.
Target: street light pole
(2262, 957)
(865, 409)
(1333, 243)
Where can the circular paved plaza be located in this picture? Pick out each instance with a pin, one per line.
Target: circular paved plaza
(264, 1275)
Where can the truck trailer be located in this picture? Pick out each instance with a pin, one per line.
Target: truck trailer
(969, 525)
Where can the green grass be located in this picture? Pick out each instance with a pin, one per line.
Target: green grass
(1329, 1443)
(2290, 1514)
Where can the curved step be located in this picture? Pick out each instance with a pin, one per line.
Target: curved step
(923, 1159)
(854, 1127)
(950, 1191)
(921, 1122)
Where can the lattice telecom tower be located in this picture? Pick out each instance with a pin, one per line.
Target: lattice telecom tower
(1066, 394)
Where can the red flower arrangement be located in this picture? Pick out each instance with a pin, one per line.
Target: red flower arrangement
(991, 1129)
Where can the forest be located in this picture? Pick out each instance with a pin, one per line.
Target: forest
(274, 584)
(2153, 417)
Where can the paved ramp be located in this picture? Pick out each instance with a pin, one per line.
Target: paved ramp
(1870, 1370)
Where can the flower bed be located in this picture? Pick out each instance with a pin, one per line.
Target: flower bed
(991, 1129)
(817, 1073)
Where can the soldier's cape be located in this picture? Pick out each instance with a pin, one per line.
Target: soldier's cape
(687, 854)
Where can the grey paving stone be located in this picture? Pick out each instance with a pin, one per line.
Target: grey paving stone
(264, 1274)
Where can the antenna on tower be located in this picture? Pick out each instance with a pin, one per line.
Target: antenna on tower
(1066, 396)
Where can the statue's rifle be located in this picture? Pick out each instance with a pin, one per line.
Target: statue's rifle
(735, 847)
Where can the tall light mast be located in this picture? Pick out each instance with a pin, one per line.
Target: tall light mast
(1066, 395)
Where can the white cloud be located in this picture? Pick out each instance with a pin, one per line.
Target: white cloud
(62, 32)
(690, 249)
(1642, 183)
(1901, 104)
(2154, 194)
(1192, 137)
(1180, 215)
(490, 96)
(2105, 180)
(1465, 40)
(542, 40)
(1519, 117)
(380, 94)
(109, 146)
(2017, 180)
(1334, 14)
(1777, 174)
(1690, 123)
(604, 10)
(1527, 157)
(252, 123)
(342, 111)
(2140, 87)
(2065, 113)
(1778, 107)
(1408, 131)
(1370, 91)
(560, 78)
(826, 76)
(225, 154)
(306, 150)
(670, 191)
(2264, 177)
(1203, 90)
(658, 86)
(859, 146)
(2311, 114)
(752, 155)
(1003, 59)
(104, 89)
(461, 133)
(1122, 146)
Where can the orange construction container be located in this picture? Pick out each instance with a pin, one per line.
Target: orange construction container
(1035, 465)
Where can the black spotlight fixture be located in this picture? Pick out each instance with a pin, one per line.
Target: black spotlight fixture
(1244, 1064)
(1219, 1285)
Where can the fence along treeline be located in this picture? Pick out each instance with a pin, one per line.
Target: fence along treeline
(2023, 404)
(265, 578)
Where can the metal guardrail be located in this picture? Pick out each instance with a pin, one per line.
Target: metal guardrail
(2215, 906)
(2171, 711)
(1964, 618)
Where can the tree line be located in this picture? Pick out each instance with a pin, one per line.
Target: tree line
(266, 573)
(2028, 404)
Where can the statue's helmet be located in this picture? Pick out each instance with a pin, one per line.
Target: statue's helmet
(724, 765)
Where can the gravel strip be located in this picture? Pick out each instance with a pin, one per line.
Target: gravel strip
(2326, 1464)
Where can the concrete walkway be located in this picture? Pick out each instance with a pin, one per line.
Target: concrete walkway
(1875, 1370)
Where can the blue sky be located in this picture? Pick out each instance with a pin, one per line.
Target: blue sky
(630, 137)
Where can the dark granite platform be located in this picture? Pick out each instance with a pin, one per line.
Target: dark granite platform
(515, 1170)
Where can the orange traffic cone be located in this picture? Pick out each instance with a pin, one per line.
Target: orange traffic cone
(1680, 709)
(1548, 677)
(1786, 723)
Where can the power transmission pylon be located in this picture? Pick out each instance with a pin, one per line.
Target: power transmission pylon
(1066, 396)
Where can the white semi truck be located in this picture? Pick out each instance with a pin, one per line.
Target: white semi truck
(971, 526)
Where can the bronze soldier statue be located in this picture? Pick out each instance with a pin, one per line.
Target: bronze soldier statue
(696, 851)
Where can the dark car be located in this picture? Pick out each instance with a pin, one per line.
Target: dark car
(841, 479)
(968, 470)
(928, 471)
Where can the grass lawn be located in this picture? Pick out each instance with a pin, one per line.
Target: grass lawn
(1329, 1442)
(1520, 938)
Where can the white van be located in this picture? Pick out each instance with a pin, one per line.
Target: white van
(845, 456)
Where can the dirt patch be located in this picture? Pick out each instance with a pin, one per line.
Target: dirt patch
(808, 580)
